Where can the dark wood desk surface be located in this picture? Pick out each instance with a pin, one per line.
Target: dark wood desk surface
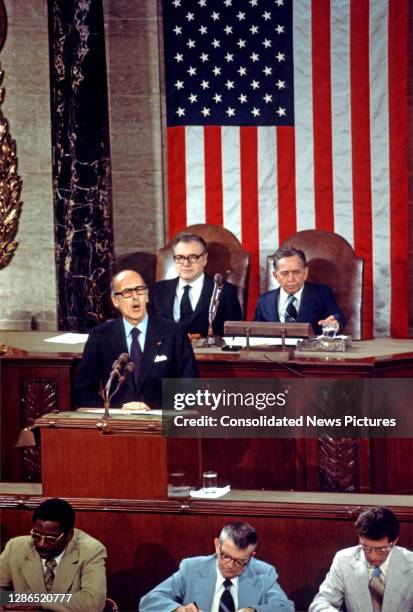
(299, 532)
(38, 378)
(378, 349)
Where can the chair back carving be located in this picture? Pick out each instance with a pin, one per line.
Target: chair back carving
(225, 255)
(331, 261)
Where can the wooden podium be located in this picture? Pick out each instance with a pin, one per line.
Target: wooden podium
(125, 457)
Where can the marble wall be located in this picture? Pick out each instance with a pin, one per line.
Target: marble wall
(134, 76)
(28, 288)
(27, 284)
(81, 162)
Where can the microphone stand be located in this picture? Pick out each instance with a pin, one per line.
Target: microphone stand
(121, 369)
(212, 340)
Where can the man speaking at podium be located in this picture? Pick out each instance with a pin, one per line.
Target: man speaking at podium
(157, 349)
(297, 300)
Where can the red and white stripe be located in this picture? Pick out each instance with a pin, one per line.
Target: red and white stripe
(342, 167)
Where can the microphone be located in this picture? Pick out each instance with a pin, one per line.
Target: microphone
(129, 367)
(213, 307)
(216, 295)
(121, 367)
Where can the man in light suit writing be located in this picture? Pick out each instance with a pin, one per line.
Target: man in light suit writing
(230, 580)
(375, 576)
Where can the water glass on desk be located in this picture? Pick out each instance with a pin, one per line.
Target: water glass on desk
(209, 481)
(330, 329)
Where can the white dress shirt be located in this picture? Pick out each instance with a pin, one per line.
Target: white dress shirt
(194, 294)
(219, 589)
(283, 299)
(57, 559)
(142, 326)
(384, 567)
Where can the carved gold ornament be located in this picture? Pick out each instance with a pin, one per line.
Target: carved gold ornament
(10, 188)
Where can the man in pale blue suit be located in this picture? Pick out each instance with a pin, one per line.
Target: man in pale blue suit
(376, 576)
(230, 580)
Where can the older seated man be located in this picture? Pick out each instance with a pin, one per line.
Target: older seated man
(231, 579)
(297, 300)
(158, 348)
(56, 558)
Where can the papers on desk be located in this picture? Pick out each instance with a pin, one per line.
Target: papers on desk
(69, 338)
(256, 341)
(218, 492)
(117, 411)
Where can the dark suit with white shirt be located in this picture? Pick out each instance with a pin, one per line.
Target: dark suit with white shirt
(317, 302)
(167, 354)
(162, 300)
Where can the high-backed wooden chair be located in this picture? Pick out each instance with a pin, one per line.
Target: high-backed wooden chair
(331, 261)
(225, 255)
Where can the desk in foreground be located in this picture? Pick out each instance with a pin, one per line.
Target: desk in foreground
(299, 532)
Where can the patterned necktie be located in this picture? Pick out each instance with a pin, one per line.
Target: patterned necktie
(376, 588)
(185, 308)
(291, 311)
(226, 603)
(135, 352)
(49, 574)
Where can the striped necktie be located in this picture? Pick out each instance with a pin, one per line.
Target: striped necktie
(226, 603)
(291, 311)
(376, 588)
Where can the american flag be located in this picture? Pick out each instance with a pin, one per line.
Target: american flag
(286, 115)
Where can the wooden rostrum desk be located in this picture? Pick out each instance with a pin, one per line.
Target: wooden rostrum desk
(299, 532)
(123, 457)
(38, 378)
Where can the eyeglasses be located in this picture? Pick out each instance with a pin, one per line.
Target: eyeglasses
(128, 293)
(49, 539)
(190, 258)
(227, 558)
(376, 549)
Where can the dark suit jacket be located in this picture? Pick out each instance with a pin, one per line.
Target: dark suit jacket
(317, 302)
(107, 341)
(162, 302)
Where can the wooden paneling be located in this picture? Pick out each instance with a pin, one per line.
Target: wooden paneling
(34, 383)
(147, 540)
(127, 460)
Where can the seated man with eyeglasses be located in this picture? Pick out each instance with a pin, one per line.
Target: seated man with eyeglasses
(297, 300)
(186, 298)
(157, 348)
(231, 579)
(375, 575)
(54, 558)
